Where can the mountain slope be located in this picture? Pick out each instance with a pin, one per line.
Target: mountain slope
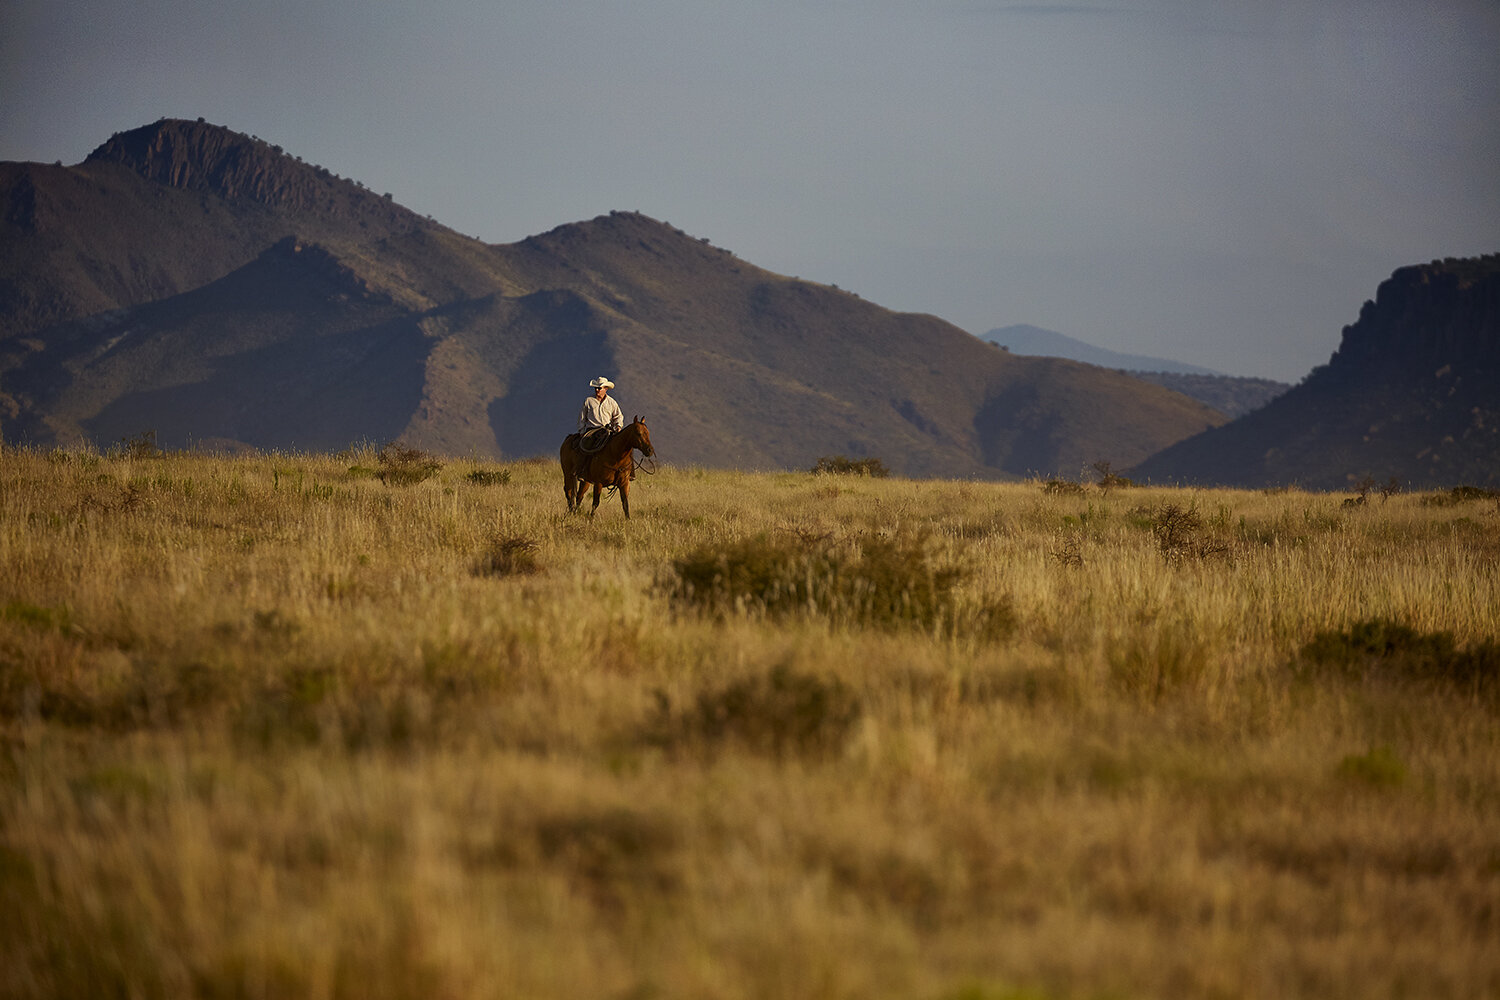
(205, 285)
(1413, 392)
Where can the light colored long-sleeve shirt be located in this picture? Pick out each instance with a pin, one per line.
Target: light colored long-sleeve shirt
(600, 413)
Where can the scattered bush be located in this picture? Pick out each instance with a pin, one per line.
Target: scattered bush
(403, 466)
(1380, 648)
(838, 465)
(882, 582)
(1108, 479)
(1177, 530)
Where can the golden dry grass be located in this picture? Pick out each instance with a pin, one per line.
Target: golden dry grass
(274, 728)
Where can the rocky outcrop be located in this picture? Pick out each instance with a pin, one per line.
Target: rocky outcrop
(1423, 318)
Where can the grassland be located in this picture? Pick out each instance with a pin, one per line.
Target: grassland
(276, 726)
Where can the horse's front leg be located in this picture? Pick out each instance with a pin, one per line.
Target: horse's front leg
(625, 496)
(597, 488)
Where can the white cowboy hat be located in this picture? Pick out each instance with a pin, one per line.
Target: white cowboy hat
(601, 383)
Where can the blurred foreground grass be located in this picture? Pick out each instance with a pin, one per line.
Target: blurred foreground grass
(282, 726)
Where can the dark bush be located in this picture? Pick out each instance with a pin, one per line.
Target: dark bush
(1062, 487)
(1177, 530)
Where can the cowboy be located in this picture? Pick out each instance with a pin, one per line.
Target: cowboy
(599, 411)
(599, 418)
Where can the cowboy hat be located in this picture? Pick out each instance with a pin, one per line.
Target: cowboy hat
(601, 383)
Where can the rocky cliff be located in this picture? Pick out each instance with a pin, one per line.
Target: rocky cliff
(1412, 393)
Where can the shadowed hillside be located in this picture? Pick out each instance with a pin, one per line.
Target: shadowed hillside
(1231, 395)
(1412, 393)
(210, 287)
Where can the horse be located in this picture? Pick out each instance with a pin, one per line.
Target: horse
(609, 466)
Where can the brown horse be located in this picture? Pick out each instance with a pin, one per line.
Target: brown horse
(609, 466)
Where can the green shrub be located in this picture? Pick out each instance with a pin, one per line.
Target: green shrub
(403, 466)
(1380, 768)
(489, 477)
(887, 582)
(838, 465)
(1381, 648)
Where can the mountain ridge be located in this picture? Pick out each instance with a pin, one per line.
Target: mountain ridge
(253, 300)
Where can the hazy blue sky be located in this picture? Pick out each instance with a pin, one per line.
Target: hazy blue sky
(1219, 183)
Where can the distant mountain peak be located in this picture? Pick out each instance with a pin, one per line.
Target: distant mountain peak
(1023, 338)
(198, 156)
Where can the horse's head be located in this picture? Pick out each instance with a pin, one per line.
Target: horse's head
(642, 437)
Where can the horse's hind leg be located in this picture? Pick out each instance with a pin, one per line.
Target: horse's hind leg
(625, 497)
(595, 508)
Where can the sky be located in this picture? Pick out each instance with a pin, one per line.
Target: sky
(1218, 183)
